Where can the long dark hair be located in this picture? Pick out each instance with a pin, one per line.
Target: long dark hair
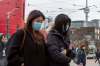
(38, 37)
(60, 21)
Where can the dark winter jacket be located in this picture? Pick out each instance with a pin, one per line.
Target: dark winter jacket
(97, 54)
(56, 43)
(31, 54)
(2, 47)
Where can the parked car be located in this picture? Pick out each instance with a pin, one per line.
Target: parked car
(91, 56)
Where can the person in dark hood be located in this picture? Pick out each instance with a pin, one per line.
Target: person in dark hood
(58, 42)
(28, 45)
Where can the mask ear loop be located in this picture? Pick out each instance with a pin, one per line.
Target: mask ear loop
(68, 25)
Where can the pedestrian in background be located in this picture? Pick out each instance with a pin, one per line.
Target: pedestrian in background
(81, 56)
(3, 58)
(28, 46)
(58, 42)
(98, 55)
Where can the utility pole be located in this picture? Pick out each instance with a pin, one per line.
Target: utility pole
(86, 11)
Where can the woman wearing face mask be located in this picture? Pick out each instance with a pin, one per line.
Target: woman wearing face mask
(32, 43)
(58, 42)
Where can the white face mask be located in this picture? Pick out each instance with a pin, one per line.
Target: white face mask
(65, 29)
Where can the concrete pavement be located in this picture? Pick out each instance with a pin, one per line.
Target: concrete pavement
(89, 62)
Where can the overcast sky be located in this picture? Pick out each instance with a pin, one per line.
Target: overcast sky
(69, 7)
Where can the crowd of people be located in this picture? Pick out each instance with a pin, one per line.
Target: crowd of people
(34, 46)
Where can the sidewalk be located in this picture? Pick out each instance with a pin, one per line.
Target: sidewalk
(89, 62)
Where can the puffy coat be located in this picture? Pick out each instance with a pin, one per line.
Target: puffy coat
(56, 43)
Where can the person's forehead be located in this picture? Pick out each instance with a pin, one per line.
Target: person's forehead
(39, 18)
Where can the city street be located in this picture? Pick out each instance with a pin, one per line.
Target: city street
(90, 62)
(52, 30)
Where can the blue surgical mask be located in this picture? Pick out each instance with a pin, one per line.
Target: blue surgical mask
(36, 26)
